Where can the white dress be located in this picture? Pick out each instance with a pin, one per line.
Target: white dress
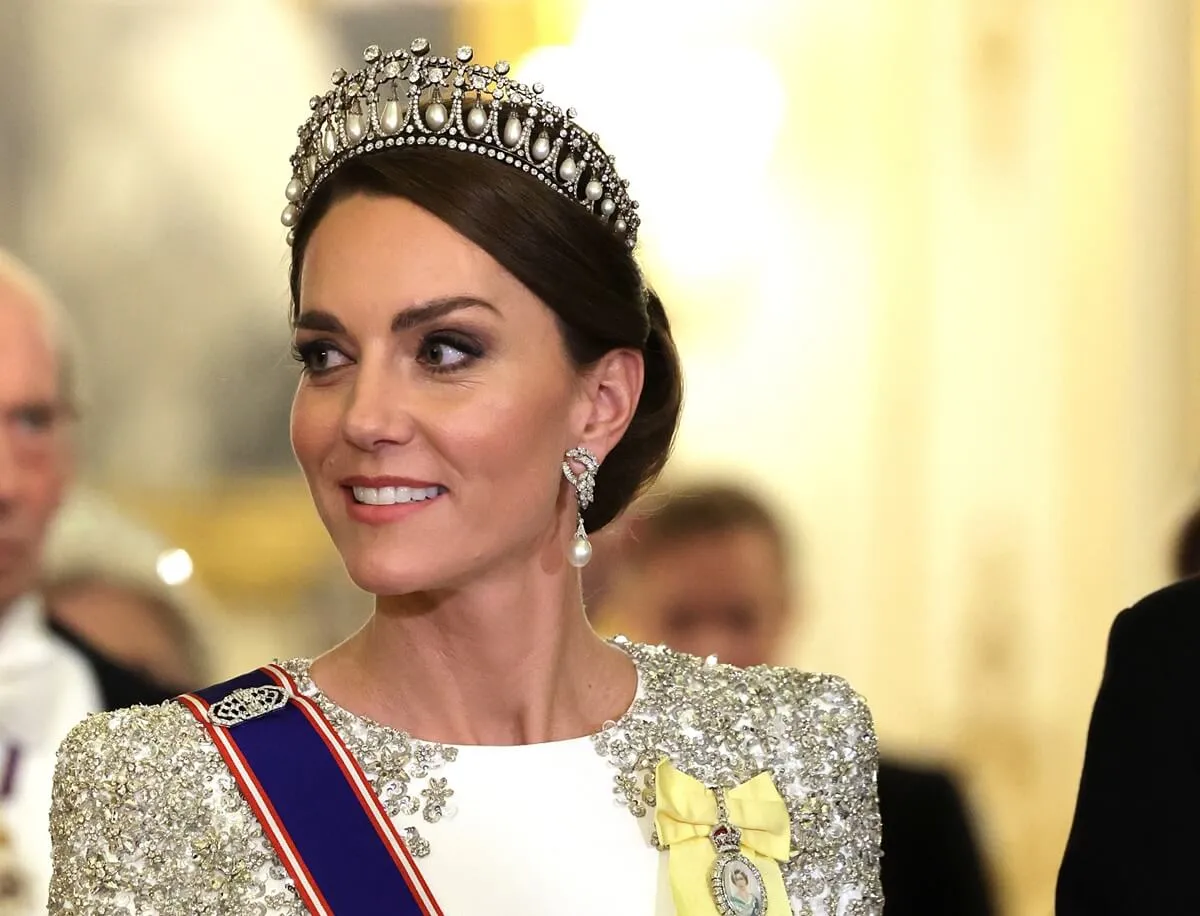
(148, 821)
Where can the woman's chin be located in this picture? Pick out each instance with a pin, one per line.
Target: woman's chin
(381, 582)
(405, 568)
(388, 576)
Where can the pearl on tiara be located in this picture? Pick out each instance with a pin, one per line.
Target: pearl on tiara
(408, 97)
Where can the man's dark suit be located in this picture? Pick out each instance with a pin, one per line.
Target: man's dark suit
(119, 686)
(931, 863)
(1135, 842)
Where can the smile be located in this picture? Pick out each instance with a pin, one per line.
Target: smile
(391, 496)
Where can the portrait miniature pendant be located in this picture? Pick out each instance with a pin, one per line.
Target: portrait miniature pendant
(736, 883)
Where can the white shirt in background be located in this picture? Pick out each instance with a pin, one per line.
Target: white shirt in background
(46, 687)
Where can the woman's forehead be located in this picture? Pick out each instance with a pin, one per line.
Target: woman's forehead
(366, 248)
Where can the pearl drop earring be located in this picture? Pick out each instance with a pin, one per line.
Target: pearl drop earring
(585, 490)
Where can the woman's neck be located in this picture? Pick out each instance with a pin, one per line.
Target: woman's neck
(510, 661)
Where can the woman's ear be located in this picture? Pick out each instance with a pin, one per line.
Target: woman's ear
(610, 389)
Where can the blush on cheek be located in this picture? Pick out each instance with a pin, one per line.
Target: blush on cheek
(518, 465)
(314, 435)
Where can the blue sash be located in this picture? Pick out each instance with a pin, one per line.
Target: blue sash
(315, 805)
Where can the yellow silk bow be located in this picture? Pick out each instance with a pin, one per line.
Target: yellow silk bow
(686, 813)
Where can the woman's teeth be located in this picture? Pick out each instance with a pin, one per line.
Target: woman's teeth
(389, 496)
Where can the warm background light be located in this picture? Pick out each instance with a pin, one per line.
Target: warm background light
(174, 567)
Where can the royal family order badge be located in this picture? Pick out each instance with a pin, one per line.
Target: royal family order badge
(737, 885)
(725, 843)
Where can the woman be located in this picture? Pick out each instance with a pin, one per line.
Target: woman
(742, 900)
(484, 380)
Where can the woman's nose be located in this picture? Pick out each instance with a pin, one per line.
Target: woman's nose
(378, 409)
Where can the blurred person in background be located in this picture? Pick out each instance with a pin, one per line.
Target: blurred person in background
(47, 684)
(105, 586)
(1135, 837)
(131, 620)
(707, 570)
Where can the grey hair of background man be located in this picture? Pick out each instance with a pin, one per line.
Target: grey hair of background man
(18, 278)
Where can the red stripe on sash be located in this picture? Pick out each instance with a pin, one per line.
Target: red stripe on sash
(361, 787)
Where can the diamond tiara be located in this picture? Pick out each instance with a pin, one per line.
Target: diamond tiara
(412, 98)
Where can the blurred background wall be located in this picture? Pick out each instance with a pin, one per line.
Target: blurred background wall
(933, 266)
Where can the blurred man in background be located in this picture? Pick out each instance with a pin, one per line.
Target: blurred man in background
(707, 571)
(47, 684)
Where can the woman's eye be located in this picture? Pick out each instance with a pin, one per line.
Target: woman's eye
(320, 356)
(443, 353)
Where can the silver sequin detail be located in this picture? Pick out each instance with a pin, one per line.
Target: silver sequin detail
(148, 820)
(724, 725)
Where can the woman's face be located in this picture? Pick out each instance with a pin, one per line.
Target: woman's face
(741, 881)
(435, 402)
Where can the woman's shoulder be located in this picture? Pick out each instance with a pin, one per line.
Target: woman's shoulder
(132, 728)
(819, 701)
(135, 744)
(145, 813)
(812, 732)
(780, 698)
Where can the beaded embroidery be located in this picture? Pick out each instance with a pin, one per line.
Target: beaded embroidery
(143, 801)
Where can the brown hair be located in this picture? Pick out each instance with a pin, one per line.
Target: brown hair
(566, 256)
(1186, 559)
(715, 508)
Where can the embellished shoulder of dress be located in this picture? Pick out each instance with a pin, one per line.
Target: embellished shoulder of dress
(725, 725)
(110, 754)
(771, 703)
(136, 731)
(146, 818)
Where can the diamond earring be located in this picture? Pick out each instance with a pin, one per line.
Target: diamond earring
(585, 490)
